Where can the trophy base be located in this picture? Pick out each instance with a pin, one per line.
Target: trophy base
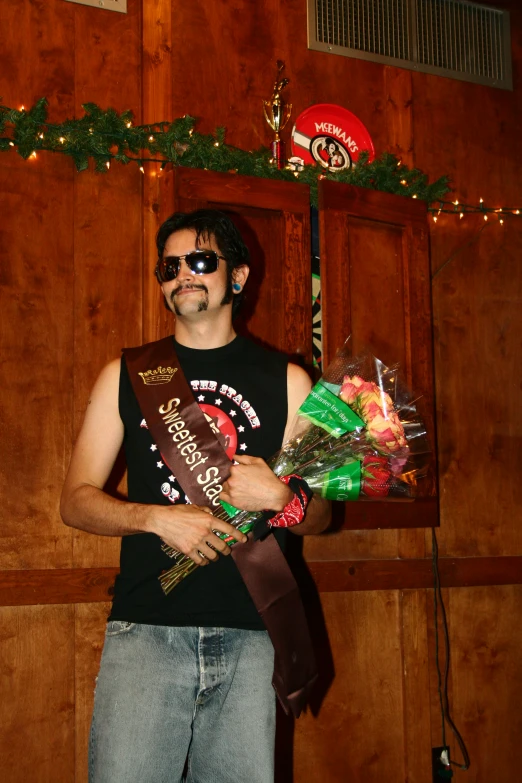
(278, 153)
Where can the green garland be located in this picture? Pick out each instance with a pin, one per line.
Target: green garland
(104, 136)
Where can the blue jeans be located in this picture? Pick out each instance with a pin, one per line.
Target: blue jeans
(169, 696)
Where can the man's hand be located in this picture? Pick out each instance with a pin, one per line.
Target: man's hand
(190, 529)
(252, 486)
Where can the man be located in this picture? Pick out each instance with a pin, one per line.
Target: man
(185, 678)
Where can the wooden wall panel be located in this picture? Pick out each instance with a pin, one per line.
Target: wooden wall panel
(37, 693)
(376, 289)
(477, 289)
(36, 312)
(90, 622)
(486, 681)
(107, 230)
(359, 732)
(227, 85)
(476, 316)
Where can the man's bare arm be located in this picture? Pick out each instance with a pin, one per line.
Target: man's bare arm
(84, 504)
(319, 511)
(254, 487)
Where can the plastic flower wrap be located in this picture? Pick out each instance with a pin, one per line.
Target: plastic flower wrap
(357, 436)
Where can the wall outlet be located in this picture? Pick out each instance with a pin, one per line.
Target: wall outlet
(440, 764)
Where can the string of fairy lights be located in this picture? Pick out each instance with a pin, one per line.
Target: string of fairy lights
(461, 209)
(106, 136)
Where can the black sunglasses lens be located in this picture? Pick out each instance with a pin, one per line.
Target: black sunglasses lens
(202, 262)
(168, 268)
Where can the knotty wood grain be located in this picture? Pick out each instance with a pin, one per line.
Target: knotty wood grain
(37, 693)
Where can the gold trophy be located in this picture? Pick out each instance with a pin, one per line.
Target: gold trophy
(277, 114)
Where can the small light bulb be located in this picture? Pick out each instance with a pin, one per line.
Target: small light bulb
(456, 203)
(11, 144)
(403, 182)
(129, 124)
(40, 135)
(108, 164)
(142, 170)
(33, 154)
(501, 222)
(216, 144)
(151, 138)
(414, 195)
(61, 140)
(499, 210)
(296, 173)
(91, 130)
(435, 218)
(517, 212)
(191, 132)
(22, 108)
(485, 217)
(481, 200)
(461, 215)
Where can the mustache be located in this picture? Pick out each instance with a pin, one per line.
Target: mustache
(193, 286)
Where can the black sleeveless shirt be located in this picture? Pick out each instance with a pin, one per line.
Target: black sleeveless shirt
(241, 388)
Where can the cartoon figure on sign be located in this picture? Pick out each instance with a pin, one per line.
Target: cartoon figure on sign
(330, 153)
(335, 158)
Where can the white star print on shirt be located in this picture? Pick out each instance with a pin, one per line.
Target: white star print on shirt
(172, 478)
(243, 447)
(201, 397)
(153, 447)
(240, 428)
(232, 413)
(159, 464)
(218, 402)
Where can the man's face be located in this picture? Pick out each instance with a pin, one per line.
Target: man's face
(188, 294)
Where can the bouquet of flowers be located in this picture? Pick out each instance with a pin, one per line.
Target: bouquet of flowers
(357, 436)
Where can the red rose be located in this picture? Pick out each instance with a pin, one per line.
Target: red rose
(376, 476)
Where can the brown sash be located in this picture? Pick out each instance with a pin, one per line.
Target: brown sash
(193, 453)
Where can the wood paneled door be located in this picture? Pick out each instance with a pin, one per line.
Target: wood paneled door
(375, 288)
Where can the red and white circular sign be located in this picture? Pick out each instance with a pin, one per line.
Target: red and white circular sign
(221, 425)
(331, 136)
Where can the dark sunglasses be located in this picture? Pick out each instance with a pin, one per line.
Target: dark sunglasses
(200, 262)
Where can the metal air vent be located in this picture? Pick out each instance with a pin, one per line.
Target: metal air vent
(452, 38)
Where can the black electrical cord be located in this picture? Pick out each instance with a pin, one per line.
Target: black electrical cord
(443, 680)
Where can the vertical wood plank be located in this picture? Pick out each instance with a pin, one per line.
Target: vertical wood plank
(107, 229)
(487, 681)
(399, 112)
(358, 735)
(35, 285)
(416, 690)
(37, 693)
(158, 185)
(89, 635)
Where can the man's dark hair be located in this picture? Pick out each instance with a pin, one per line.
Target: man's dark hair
(210, 223)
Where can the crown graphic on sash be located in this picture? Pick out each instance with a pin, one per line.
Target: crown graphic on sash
(157, 376)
